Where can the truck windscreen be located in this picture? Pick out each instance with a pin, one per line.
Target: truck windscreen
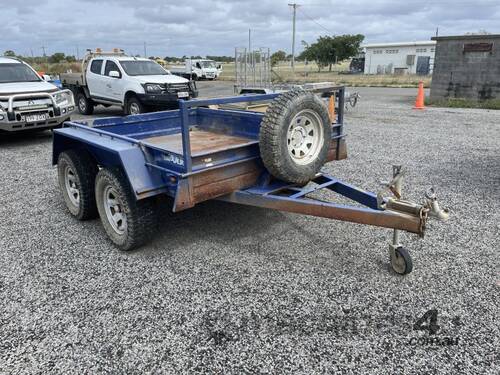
(208, 64)
(142, 68)
(17, 73)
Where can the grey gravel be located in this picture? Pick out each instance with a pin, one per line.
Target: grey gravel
(233, 289)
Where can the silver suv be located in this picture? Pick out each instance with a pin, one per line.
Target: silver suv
(29, 102)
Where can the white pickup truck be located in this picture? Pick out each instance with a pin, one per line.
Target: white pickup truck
(28, 102)
(197, 69)
(135, 84)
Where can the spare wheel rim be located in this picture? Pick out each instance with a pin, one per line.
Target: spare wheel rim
(305, 137)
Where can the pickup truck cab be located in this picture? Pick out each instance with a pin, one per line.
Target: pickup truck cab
(135, 84)
(28, 102)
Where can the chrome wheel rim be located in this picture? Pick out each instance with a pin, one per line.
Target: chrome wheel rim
(305, 137)
(114, 210)
(82, 104)
(71, 184)
(134, 109)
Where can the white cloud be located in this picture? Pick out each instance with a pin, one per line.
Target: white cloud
(216, 27)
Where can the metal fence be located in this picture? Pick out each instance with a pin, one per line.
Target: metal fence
(252, 68)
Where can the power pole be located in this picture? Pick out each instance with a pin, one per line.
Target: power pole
(249, 40)
(46, 58)
(145, 55)
(294, 7)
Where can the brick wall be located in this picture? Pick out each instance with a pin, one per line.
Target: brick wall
(459, 73)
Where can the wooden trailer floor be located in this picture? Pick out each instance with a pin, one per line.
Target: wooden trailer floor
(203, 142)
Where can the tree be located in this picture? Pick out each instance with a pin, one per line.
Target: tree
(57, 58)
(328, 50)
(277, 56)
(71, 59)
(9, 53)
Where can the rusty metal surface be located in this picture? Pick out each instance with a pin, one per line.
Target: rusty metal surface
(202, 142)
(337, 150)
(215, 183)
(386, 219)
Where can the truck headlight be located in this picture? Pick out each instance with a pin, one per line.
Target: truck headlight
(63, 98)
(153, 88)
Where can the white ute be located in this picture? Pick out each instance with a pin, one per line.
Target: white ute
(135, 84)
(28, 102)
(197, 69)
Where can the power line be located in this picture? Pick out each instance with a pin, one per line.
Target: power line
(316, 22)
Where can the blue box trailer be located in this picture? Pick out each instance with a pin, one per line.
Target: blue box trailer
(115, 167)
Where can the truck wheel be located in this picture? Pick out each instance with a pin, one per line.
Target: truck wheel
(85, 105)
(295, 135)
(76, 174)
(128, 223)
(134, 106)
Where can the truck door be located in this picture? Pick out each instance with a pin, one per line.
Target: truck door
(113, 83)
(93, 77)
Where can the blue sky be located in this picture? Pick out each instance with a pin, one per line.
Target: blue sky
(201, 27)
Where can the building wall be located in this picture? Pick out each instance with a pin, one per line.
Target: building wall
(459, 73)
(384, 59)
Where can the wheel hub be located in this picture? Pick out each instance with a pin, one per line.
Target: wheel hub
(114, 210)
(299, 136)
(305, 137)
(72, 186)
(82, 104)
(134, 109)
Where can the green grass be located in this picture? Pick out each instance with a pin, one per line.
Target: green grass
(464, 103)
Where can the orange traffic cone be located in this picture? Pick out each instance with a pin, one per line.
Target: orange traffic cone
(331, 108)
(419, 103)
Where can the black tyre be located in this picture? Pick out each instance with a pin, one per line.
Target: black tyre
(134, 106)
(402, 262)
(85, 105)
(76, 174)
(295, 135)
(128, 223)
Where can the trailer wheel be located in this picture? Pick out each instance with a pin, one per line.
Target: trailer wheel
(295, 136)
(85, 105)
(128, 223)
(402, 262)
(76, 174)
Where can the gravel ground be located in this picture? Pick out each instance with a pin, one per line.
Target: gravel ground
(233, 289)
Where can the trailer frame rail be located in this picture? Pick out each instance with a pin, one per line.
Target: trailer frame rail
(282, 196)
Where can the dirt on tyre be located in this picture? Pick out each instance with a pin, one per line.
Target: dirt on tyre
(85, 105)
(129, 223)
(76, 172)
(295, 136)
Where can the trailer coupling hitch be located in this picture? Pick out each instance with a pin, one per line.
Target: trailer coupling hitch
(399, 256)
(430, 207)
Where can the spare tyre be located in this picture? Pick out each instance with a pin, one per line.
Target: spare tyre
(294, 136)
